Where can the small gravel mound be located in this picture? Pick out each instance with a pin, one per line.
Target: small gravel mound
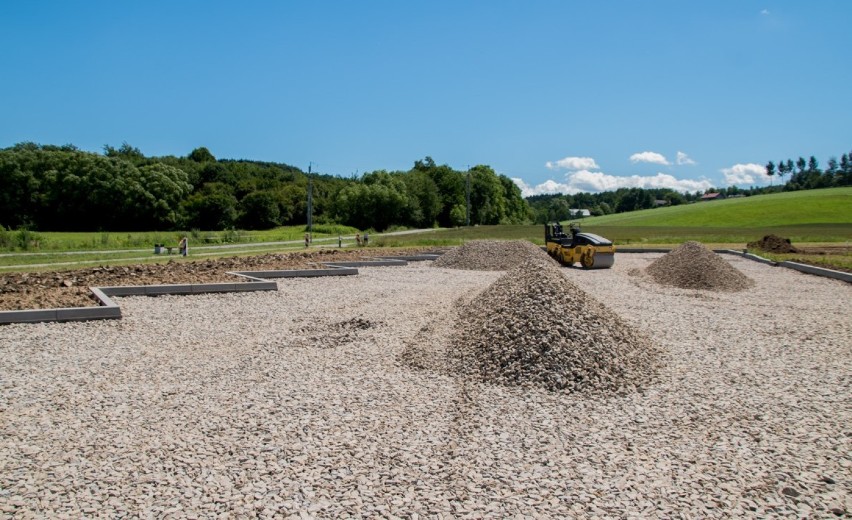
(491, 255)
(534, 327)
(773, 244)
(692, 266)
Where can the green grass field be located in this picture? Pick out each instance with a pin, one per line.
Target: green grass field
(48, 241)
(778, 210)
(811, 217)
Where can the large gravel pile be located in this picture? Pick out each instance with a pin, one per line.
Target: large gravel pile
(692, 266)
(289, 403)
(533, 327)
(491, 255)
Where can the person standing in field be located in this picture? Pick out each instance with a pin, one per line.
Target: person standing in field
(183, 246)
(366, 239)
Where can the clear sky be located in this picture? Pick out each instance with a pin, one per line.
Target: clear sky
(560, 95)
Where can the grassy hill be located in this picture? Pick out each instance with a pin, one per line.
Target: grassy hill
(827, 206)
(812, 216)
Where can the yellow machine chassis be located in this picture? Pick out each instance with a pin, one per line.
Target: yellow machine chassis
(589, 256)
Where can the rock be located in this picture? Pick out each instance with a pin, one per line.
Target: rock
(790, 492)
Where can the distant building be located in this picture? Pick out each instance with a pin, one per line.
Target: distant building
(712, 196)
(579, 213)
(659, 202)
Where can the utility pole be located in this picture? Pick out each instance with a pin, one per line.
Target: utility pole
(467, 198)
(310, 204)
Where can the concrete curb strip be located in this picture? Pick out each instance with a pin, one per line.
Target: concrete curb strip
(810, 269)
(258, 281)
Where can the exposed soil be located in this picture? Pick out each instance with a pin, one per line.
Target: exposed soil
(781, 245)
(773, 244)
(60, 289)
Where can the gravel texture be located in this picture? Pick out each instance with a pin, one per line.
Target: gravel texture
(288, 403)
(491, 255)
(692, 266)
(534, 327)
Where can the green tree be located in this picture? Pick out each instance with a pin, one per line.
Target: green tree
(424, 199)
(213, 208)
(259, 210)
(487, 196)
(458, 215)
(813, 164)
(201, 155)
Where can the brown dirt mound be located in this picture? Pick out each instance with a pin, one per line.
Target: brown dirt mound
(533, 327)
(491, 255)
(773, 244)
(692, 266)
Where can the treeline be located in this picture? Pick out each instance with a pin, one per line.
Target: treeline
(807, 175)
(62, 188)
(546, 208)
(801, 175)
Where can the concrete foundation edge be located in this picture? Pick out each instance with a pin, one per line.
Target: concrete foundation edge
(258, 282)
(819, 271)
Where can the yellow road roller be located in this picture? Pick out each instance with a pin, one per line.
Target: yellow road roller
(590, 250)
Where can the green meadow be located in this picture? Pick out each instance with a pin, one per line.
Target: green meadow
(808, 218)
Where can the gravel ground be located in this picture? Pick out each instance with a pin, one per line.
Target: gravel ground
(288, 403)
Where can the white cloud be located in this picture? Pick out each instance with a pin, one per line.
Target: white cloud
(548, 187)
(573, 163)
(588, 181)
(649, 157)
(765, 12)
(598, 181)
(749, 173)
(682, 158)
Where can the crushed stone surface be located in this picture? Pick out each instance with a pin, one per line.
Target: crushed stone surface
(692, 266)
(234, 405)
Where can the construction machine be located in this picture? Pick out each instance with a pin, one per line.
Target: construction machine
(591, 250)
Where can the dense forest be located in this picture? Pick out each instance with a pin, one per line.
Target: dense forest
(61, 188)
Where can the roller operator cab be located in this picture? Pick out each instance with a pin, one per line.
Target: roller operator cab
(590, 250)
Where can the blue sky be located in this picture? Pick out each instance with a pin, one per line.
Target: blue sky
(560, 95)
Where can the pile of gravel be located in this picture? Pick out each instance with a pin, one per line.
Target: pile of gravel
(491, 255)
(773, 244)
(533, 327)
(692, 266)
